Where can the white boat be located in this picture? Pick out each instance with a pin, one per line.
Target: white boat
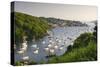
(36, 51)
(52, 51)
(59, 41)
(46, 49)
(43, 42)
(50, 41)
(61, 48)
(34, 46)
(56, 47)
(24, 44)
(20, 52)
(26, 58)
(24, 47)
(49, 45)
(72, 43)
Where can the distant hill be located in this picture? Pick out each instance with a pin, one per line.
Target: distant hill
(62, 22)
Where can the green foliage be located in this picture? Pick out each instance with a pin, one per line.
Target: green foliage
(22, 63)
(84, 49)
(19, 63)
(83, 40)
(31, 63)
(27, 25)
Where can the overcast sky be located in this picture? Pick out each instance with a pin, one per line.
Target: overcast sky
(63, 11)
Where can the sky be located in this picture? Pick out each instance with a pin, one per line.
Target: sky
(61, 11)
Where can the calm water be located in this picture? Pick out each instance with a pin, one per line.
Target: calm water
(68, 34)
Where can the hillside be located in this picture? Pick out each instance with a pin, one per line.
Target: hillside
(30, 26)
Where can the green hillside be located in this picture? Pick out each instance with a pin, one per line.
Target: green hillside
(30, 26)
